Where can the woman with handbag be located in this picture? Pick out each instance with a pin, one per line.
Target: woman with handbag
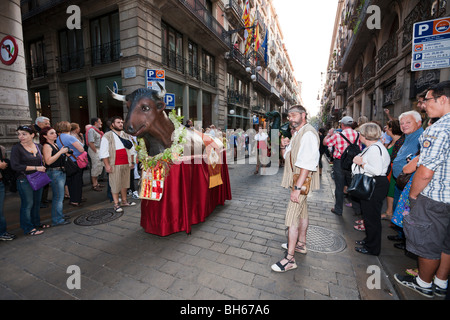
(26, 159)
(74, 182)
(373, 162)
(54, 159)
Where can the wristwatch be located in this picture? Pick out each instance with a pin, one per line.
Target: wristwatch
(297, 188)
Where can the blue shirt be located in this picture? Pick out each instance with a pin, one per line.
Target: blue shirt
(68, 142)
(410, 146)
(435, 156)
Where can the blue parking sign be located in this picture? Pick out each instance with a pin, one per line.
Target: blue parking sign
(169, 100)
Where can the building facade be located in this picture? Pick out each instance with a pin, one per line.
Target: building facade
(67, 64)
(369, 68)
(14, 106)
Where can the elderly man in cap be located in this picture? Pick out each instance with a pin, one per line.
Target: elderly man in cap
(337, 140)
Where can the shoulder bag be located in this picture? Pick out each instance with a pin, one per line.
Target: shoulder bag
(305, 186)
(362, 186)
(38, 179)
(82, 160)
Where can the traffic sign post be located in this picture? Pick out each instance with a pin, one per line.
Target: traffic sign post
(431, 45)
(169, 100)
(153, 77)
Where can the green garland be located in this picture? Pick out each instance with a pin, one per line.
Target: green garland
(165, 159)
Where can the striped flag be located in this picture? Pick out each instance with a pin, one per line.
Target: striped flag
(249, 38)
(257, 38)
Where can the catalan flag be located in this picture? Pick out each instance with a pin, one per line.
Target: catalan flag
(246, 15)
(249, 38)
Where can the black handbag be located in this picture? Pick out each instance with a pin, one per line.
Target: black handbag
(70, 167)
(362, 186)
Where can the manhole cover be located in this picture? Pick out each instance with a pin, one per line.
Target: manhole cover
(320, 239)
(97, 217)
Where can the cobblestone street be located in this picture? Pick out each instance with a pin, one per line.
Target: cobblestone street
(226, 257)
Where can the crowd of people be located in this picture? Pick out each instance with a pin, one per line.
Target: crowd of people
(63, 154)
(409, 159)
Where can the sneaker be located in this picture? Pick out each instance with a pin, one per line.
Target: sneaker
(441, 292)
(7, 236)
(411, 283)
(135, 195)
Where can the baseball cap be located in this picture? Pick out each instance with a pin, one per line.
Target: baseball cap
(346, 120)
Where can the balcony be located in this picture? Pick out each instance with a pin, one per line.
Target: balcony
(276, 96)
(368, 72)
(234, 13)
(387, 52)
(262, 84)
(37, 70)
(72, 61)
(176, 62)
(105, 53)
(197, 8)
(208, 77)
(237, 98)
(172, 60)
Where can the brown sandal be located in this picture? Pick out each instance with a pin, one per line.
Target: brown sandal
(97, 188)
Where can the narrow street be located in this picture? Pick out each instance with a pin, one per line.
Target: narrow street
(226, 257)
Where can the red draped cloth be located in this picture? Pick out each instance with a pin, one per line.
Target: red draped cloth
(187, 199)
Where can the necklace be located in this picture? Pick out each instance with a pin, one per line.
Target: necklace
(162, 161)
(30, 149)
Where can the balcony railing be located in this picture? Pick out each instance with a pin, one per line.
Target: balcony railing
(173, 60)
(236, 8)
(368, 72)
(105, 53)
(209, 78)
(199, 10)
(260, 79)
(37, 70)
(236, 97)
(72, 61)
(387, 52)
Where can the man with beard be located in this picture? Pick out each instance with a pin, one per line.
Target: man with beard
(117, 153)
(301, 156)
(341, 177)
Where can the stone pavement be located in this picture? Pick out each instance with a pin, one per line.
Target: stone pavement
(226, 257)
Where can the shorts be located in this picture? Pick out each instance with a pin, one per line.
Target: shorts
(96, 163)
(120, 178)
(296, 211)
(427, 228)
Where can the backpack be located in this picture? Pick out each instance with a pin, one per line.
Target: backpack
(349, 153)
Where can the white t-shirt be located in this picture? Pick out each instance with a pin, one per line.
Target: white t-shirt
(104, 146)
(308, 153)
(374, 163)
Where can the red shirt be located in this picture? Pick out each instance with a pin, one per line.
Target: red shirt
(340, 144)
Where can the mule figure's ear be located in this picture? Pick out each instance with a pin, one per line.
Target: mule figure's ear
(160, 105)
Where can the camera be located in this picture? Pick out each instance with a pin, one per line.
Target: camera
(70, 151)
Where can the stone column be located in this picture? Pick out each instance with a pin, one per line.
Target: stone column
(14, 105)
